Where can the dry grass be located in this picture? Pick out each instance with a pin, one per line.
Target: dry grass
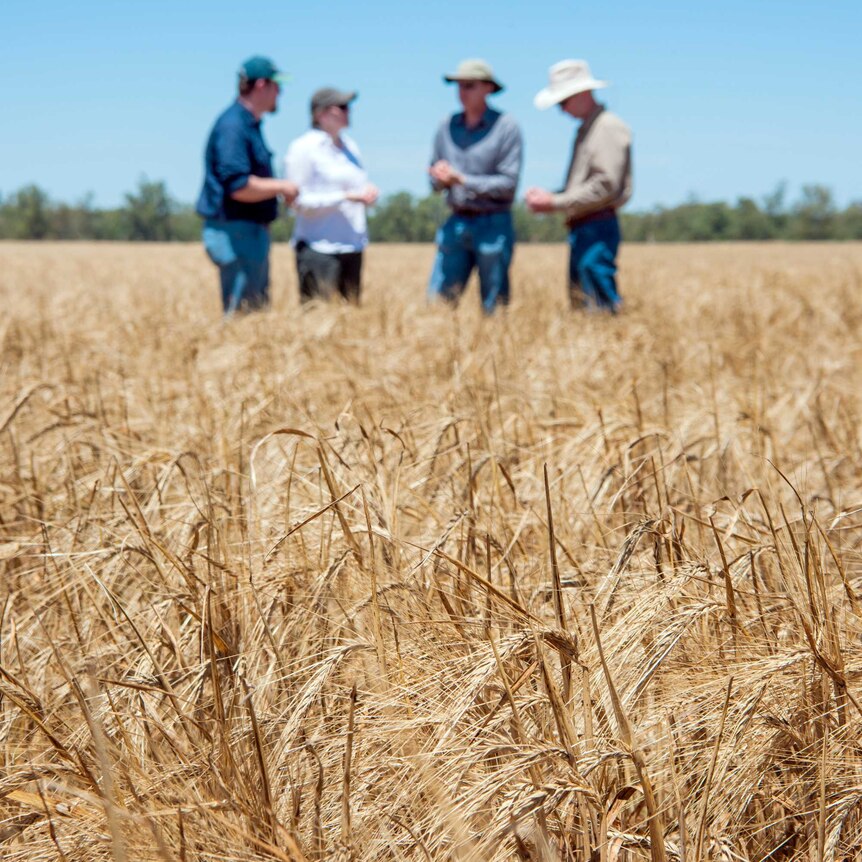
(296, 588)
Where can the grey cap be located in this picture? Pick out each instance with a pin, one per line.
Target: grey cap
(474, 70)
(326, 97)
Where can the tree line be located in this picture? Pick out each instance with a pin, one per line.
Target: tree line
(150, 213)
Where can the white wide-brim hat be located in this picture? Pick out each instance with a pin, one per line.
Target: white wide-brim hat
(566, 78)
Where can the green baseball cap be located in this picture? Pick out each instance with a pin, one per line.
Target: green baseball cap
(261, 67)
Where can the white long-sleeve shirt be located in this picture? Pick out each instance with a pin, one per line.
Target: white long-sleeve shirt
(325, 172)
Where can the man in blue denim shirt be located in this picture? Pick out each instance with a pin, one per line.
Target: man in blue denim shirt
(476, 160)
(239, 198)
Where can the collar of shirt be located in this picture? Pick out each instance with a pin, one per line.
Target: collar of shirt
(484, 123)
(324, 139)
(590, 119)
(246, 114)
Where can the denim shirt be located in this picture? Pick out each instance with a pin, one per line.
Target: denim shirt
(234, 152)
(488, 155)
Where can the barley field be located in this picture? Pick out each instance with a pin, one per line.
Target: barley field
(403, 583)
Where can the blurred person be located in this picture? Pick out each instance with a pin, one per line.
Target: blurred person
(331, 229)
(239, 198)
(476, 161)
(598, 183)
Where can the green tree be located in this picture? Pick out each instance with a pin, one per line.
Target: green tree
(530, 227)
(148, 212)
(282, 228)
(848, 224)
(151, 214)
(185, 224)
(775, 207)
(813, 215)
(75, 221)
(28, 214)
(429, 213)
(638, 227)
(111, 225)
(749, 222)
(392, 220)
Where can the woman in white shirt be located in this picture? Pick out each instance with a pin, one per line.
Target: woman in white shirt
(330, 232)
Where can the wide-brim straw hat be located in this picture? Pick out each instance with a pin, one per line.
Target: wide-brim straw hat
(474, 70)
(566, 78)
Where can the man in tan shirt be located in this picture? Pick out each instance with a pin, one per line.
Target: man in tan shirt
(598, 183)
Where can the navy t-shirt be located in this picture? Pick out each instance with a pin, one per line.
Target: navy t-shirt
(235, 150)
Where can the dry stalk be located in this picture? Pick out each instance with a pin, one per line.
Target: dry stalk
(188, 589)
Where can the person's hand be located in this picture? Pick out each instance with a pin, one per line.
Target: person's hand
(539, 200)
(289, 192)
(367, 196)
(445, 174)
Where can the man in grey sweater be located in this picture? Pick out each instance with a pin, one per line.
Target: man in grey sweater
(476, 161)
(598, 183)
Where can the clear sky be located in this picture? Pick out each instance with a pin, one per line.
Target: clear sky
(724, 98)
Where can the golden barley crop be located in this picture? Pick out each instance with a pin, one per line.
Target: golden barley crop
(402, 583)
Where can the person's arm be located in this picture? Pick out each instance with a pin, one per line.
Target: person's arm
(437, 184)
(611, 152)
(368, 193)
(501, 184)
(299, 169)
(259, 189)
(233, 169)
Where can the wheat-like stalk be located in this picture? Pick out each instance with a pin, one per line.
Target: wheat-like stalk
(402, 583)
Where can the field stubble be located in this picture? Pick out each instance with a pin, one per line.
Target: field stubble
(402, 583)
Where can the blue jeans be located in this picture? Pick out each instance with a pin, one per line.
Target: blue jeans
(240, 249)
(484, 241)
(592, 264)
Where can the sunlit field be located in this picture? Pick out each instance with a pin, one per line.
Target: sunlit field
(403, 583)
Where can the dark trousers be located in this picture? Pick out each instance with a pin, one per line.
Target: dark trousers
(463, 242)
(322, 276)
(240, 249)
(593, 264)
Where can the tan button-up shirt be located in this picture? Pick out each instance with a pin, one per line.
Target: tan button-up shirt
(600, 173)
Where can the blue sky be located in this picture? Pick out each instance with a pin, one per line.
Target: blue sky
(725, 99)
